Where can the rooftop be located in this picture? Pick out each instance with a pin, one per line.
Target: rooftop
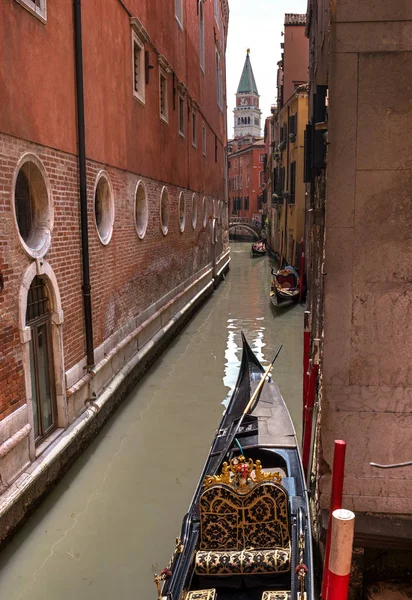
(295, 19)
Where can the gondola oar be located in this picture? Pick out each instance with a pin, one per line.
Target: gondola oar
(251, 402)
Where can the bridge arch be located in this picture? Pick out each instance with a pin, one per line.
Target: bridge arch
(255, 232)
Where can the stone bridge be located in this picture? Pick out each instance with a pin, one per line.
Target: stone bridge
(244, 223)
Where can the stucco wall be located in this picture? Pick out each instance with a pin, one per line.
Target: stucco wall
(296, 59)
(367, 376)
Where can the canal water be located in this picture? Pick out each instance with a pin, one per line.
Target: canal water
(111, 522)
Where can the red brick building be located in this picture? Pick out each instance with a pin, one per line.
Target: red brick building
(246, 162)
(112, 198)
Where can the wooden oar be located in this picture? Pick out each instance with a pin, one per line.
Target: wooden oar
(250, 404)
(261, 382)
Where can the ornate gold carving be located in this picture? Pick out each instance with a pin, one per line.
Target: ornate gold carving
(242, 474)
(167, 573)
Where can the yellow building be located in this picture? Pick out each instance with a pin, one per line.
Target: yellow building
(288, 200)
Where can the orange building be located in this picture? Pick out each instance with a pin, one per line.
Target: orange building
(112, 202)
(246, 162)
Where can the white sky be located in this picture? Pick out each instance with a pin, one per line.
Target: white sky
(256, 24)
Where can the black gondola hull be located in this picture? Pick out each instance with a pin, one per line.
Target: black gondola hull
(266, 434)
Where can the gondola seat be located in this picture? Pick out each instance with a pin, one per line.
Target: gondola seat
(287, 281)
(243, 532)
(201, 595)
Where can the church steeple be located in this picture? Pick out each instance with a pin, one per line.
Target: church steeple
(247, 112)
(247, 83)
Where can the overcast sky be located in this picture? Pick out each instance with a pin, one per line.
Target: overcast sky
(256, 24)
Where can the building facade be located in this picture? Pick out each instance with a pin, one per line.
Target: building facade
(284, 134)
(246, 164)
(359, 224)
(113, 208)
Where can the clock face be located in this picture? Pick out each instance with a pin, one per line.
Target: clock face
(243, 101)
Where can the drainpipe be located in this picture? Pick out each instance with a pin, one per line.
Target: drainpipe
(87, 304)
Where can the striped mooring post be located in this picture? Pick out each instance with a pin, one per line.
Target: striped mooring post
(340, 559)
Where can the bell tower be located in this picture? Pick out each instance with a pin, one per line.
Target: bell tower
(247, 112)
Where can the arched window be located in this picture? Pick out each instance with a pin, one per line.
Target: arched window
(248, 120)
(38, 318)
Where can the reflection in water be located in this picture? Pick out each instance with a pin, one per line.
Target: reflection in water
(110, 523)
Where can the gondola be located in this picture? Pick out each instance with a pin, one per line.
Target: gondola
(285, 285)
(258, 249)
(247, 533)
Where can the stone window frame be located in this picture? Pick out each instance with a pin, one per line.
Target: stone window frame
(219, 78)
(139, 37)
(179, 13)
(37, 8)
(141, 230)
(138, 64)
(194, 110)
(108, 225)
(164, 71)
(204, 138)
(164, 217)
(181, 121)
(194, 210)
(182, 222)
(44, 269)
(45, 207)
(201, 36)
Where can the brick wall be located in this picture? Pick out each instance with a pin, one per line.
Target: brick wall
(127, 275)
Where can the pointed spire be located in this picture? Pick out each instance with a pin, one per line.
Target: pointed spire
(247, 83)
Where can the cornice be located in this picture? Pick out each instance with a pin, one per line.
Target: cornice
(139, 29)
(164, 63)
(182, 88)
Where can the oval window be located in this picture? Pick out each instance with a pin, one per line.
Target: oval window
(104, 208)
(182, 203)
(204, 212)
(33, 209)
(141, 210)
(194, 211)
(164, 210)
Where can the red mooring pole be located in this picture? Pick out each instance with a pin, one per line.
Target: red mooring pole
(309, 404)
(338, 474)
(343, 526)
(301, 268)
(307, 426)
(306, 354)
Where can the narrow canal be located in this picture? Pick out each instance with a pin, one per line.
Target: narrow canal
(112, 520)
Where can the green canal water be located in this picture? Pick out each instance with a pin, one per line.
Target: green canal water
(111, 522)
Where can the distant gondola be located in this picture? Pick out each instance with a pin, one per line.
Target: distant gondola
(247, 533)
(258, 249)
(285, 285)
